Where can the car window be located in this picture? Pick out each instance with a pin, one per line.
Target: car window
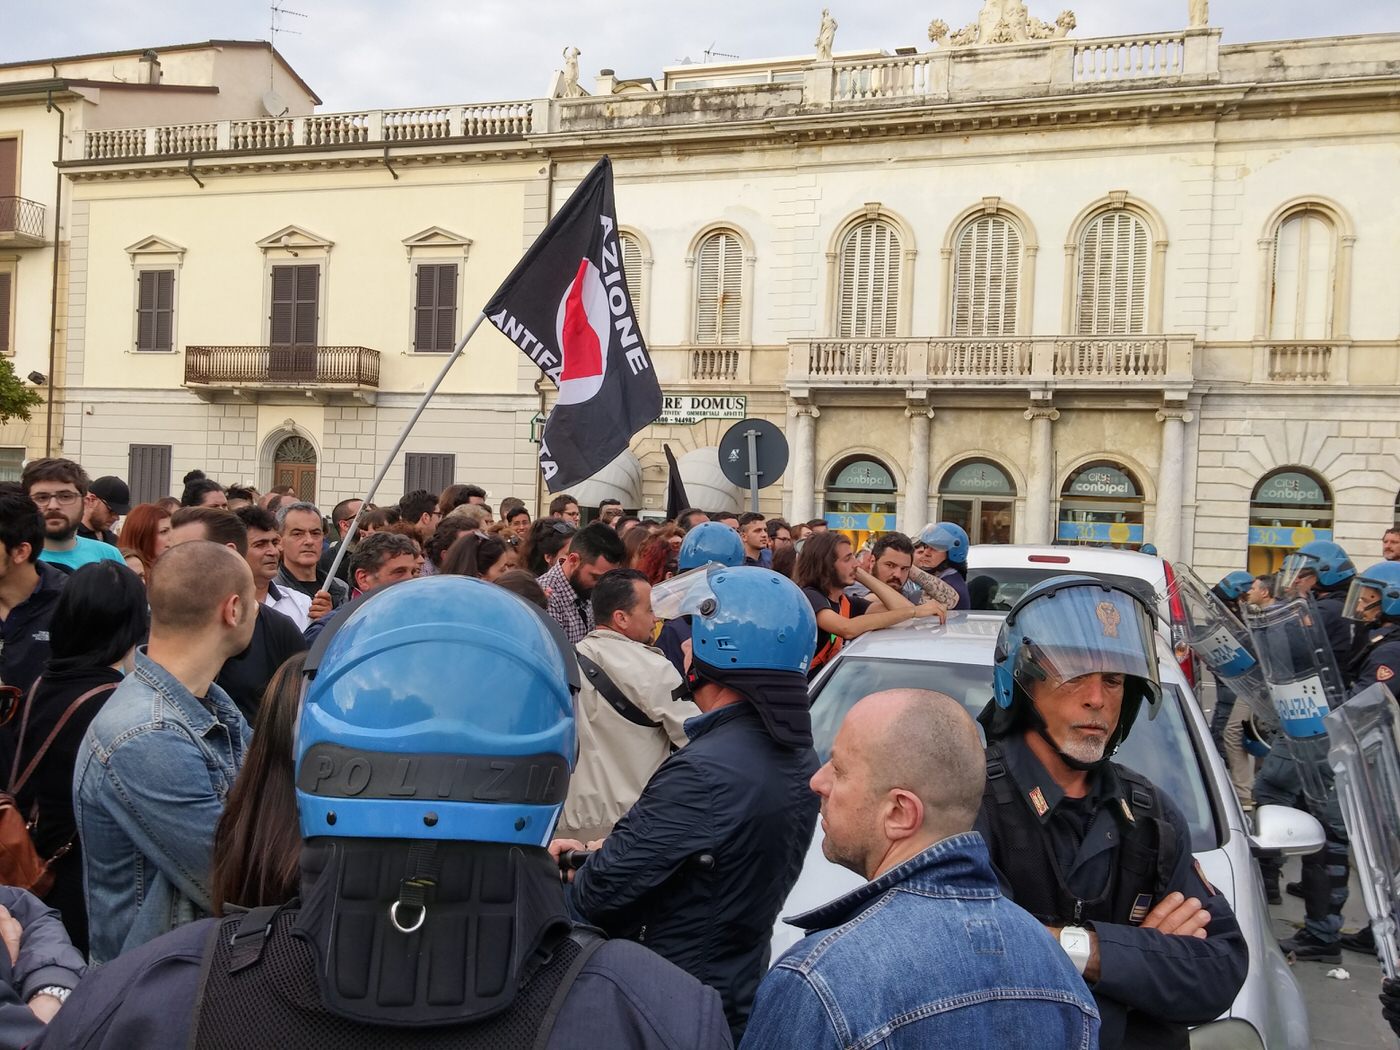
(996, 588)
(1161, 749)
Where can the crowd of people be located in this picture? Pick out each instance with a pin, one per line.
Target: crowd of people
(412, 805)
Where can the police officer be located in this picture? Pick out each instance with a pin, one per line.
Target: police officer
(942, 550)
(1095, 851)
(707, 543)
(1323, 571)
(1226, 723)
(432, 757)
(699, 867)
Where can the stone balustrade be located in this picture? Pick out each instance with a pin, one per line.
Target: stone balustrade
(1153, 56)
(1300, 363)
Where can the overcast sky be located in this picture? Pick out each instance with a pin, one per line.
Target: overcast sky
(377, 53)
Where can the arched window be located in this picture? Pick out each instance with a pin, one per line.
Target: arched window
(1114, 259)
(1101, 506)
(868, 281)
(1289, 508)
(986, 278)
(719, 288)
(860, 498)
(1301, 291)
(632, 256)
(978, 495)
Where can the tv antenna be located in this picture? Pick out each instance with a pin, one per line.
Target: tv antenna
(710, 53)
(275, 27)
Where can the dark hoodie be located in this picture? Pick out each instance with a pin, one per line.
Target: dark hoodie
(26, 630)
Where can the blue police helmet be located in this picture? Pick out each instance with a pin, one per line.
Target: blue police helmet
(1377, 590)
(1323, 557)
(945, 536)
(752, 619)
(438, 708)
(1233, 585)
(1148, 548)
(1069, 626)
(710, 541)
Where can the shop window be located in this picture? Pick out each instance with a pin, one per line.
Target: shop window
(1289, 508)
(860, 499)
(978, 496)
(1101, 506)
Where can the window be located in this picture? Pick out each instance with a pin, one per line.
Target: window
(435, 308)
(860, 499)
(148, 472)
(155, 310)
(1301, 293)
(433, 471)
(868, 282)
(719, 289)
(11, 463)
(986, 278)
(632, 264)
(1101, 506)
(1113, 273)
(9, 170)
(295, 306)
(7, 311)
(1288, 509)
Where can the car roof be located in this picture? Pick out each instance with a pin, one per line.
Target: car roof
(1105, 559)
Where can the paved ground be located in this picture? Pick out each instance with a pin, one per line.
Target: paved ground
(1343, 1015)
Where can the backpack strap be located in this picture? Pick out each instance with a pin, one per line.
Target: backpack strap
(608, 690)
(588, 942)
(17, 784)
(1147, 801)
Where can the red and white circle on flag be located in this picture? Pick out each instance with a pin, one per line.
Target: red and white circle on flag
(583, 330)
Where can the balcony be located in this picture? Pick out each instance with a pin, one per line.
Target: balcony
(320, 372)
(21, 223)
(1062, 362)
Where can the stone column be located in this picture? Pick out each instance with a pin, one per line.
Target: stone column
(913, 514)
(1040, 479)
(804, 464)
(1170, 476)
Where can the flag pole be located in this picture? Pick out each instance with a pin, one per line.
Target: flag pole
(344, 547)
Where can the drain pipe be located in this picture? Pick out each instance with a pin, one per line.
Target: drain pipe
(53, 291)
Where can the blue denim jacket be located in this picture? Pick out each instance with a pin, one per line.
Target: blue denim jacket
(148, 787)
(929, 954)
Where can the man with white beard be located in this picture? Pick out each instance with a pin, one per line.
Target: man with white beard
(1092, 849)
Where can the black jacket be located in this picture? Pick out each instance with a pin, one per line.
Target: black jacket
(26, 630)
(731, 794)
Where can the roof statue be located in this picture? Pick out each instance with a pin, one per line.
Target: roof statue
(1004, 22)
(566, 83)
(826, 36)
(1199, 11)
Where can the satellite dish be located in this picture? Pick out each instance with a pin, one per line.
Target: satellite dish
(273, 105)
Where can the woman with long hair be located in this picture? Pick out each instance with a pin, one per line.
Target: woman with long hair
(146, 530)
(257, 845)
(485, 557)
(656, 559)
(99, 620)
(549, 541)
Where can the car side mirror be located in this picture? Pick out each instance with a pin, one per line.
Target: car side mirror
(1284, 831)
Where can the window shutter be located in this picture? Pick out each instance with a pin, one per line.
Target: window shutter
(9, 167)
(986, 278)
(1113, 269)
(148, 472)
(868, 282)
(165, 309)
(632, 270)
(445, 322)
(435, 307)
(719, 289)
(433, 471)
(283, 305)
(7, 282)
(308, 280)
(155, 309)
(1301, 298)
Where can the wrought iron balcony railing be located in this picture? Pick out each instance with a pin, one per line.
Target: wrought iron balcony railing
(281, 366)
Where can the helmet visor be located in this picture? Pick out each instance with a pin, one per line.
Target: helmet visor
(1083, 630)
(683, 595)
(1295, 566)
(1365, 599)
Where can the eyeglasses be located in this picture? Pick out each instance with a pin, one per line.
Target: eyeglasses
(63, 499)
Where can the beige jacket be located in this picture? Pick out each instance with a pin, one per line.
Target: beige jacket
(616, 757)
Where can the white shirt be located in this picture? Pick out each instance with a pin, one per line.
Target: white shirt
(290, 603)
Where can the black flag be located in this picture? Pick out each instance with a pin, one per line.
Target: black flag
(566, 306)
(676, 500)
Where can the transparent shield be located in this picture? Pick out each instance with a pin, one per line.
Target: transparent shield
(683, 595)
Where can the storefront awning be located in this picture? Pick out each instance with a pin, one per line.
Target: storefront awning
(620, 480)
(705, 484)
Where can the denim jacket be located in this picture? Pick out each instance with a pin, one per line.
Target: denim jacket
(928, 954)
(149, 785)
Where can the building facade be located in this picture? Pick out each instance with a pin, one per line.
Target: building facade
(1079, 290)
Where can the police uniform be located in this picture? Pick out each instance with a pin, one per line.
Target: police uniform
(1377, 657)
(1103, 862)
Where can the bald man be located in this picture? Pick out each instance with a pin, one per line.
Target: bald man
(928, 952)
(160, 757)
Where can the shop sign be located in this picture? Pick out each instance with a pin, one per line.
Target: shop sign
(1103, 483)
(1286, 535)
(1099, 532)
(863, 475)
(684, 409)
(1290, 488)
(861, 522)
(978, 479)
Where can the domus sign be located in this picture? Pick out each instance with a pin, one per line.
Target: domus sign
(684, 409)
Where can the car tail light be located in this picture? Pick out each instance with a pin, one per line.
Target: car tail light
(1177, 608)
(1053, 559)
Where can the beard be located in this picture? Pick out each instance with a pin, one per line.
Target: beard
(1084, 749)
(60, 528)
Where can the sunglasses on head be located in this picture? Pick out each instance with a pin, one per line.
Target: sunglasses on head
(563, 528)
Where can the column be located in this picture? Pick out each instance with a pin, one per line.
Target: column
(804, 465)
(914, 514)
(1170, 475)
(1040, 479)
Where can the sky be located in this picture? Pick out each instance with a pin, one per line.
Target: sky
(360, 54)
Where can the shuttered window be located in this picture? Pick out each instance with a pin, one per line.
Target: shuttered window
(986, 278)
(435, 307)
(719, 289)
(155, 309)
(7, 294)
(632, 267)
(1301, 295)
(295, 309)
(433, 471)
(868, 282)
(1113, 261)
(148, 472)
(11, 463)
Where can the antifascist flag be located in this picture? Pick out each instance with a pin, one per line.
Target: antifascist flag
(566, 306)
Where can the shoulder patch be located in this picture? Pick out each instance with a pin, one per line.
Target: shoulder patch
(1384, 673)
(1200, 874)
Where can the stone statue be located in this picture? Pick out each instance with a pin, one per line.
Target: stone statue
(1005, 22)
(938, 30)
(1199, 11)
(826, 36)
(568, 84)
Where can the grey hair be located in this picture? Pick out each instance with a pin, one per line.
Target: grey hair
(288, 508)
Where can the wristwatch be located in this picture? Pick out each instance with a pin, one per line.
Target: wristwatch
(1075, 941)
(56, 990)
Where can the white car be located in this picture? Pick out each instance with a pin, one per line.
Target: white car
(1172, 750)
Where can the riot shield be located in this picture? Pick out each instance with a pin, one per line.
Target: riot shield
(1223, 644)
(1365, 758)
(1304, 684)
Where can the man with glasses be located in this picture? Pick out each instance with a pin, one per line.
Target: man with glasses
(108, 499)
(342, 517)
(58, 488)
(302, 536)
(565, 508)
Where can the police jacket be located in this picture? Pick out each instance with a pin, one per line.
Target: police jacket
(1339, 629)
(623, 998)
(1376, 657)
(699, 868)
(1104, 862)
